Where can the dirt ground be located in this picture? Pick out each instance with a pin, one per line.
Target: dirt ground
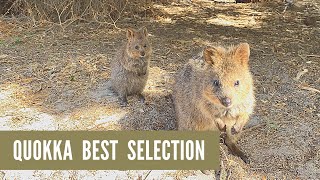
(54, 79)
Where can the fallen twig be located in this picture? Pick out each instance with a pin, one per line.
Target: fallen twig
(301, 73)
(147, 175)
(254, 127)
(310, 89)
(313, 55)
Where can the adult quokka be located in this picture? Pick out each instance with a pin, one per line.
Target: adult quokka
(215, 92)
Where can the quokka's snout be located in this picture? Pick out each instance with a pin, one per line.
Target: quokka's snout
(226, 101)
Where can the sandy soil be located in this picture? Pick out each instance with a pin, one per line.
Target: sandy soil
(58, 80)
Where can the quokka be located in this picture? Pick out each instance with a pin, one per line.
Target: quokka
(130, 67)
(215, 92)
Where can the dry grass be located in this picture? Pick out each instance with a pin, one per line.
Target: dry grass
(66, 12)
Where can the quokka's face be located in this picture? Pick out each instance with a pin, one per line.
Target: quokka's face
(138, 45)
(228, 80)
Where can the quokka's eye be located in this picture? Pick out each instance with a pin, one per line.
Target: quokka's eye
(216, 83)
(136, 47)
(237, 83)
(145, 45)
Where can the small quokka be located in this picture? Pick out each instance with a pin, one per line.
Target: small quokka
(215, 92)
(130, 67)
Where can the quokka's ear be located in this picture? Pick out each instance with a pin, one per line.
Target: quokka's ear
(212, 55)
(144, 31)
(242, 53)
(130, 33)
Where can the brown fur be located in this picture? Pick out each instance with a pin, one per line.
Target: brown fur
(130, 67)
(203, 86)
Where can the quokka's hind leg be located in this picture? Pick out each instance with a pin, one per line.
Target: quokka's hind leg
(231, 144)
(217, 172)
(123, 100)
(206, 172)
(141, 98)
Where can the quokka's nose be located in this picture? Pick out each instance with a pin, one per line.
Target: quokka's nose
(226, 102)
(142, 53)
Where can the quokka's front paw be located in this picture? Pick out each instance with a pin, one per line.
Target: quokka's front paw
(221, 125)
(235, 129)
(223, 129)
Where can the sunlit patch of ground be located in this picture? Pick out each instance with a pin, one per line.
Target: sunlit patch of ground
(114, 175)
(223, 20)
(17, 113)
(221, 15)
(14, 115)
(176, 10)
(92, 118)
